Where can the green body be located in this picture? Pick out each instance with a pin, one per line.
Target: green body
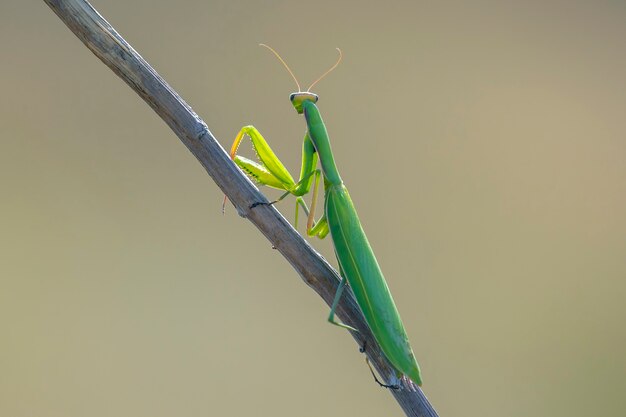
(356, 259)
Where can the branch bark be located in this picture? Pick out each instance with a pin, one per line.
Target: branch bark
(102, 39)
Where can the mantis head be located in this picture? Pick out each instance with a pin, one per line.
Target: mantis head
(301, 96)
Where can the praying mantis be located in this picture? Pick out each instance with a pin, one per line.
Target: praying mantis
(357, 263)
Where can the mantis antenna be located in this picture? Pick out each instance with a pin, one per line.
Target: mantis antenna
(328, 71)
(291, 72)
(284, 64)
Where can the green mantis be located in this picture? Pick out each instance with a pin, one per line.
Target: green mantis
(357, 263)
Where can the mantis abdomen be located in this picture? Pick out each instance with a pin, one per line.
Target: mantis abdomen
(364, 276)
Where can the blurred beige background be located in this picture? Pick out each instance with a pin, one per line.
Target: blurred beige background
(484, 144)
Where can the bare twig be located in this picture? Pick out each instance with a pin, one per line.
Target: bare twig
(100, 37)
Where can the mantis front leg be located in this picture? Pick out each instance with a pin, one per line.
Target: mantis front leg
(270, 171)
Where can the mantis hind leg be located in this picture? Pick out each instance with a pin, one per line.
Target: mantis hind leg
(333, 307)
(395, 381)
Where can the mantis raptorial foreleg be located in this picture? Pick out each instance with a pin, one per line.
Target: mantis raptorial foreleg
(270, 171)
